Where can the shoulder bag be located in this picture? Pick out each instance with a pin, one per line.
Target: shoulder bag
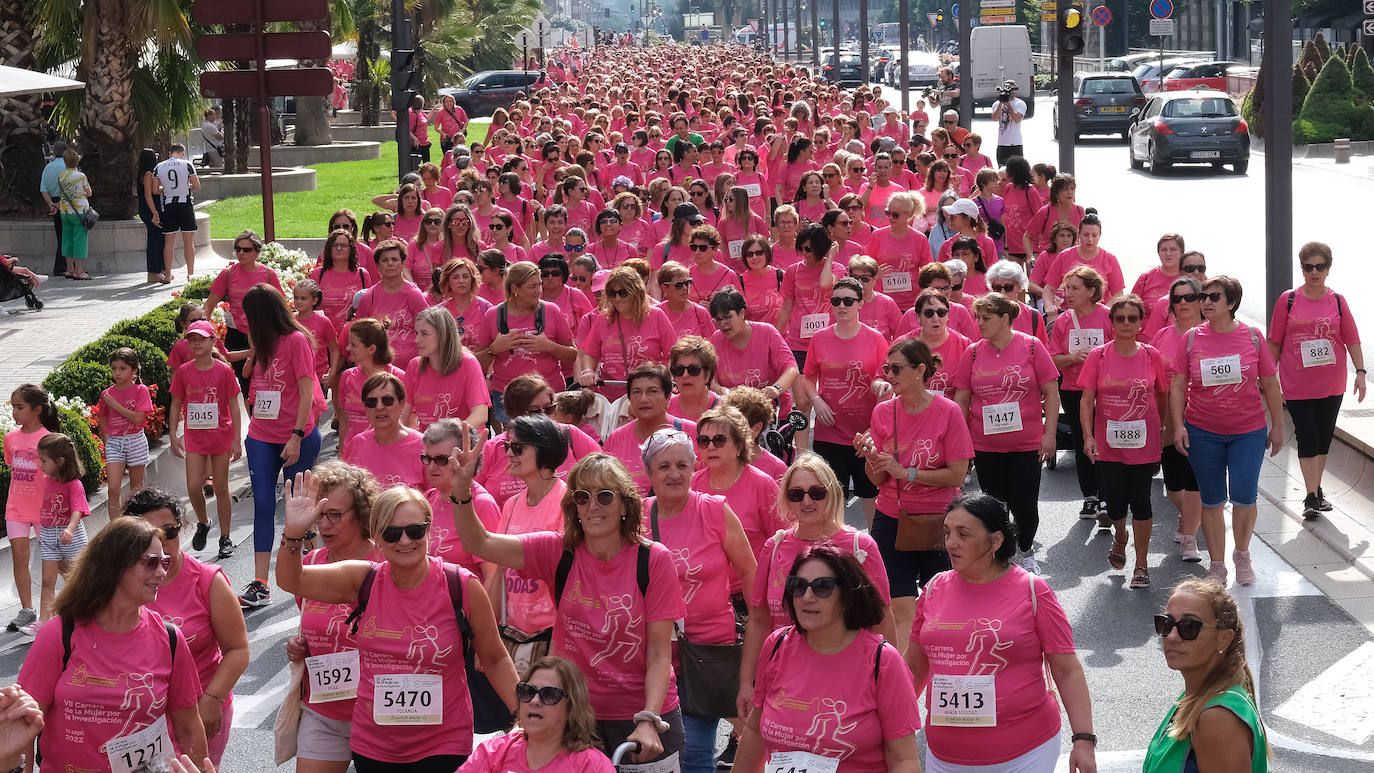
(915, 531)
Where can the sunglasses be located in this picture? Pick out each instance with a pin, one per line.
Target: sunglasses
(951, 156)
(934, 312)
(893, 369)
(701, 247)
(574, 247)
(1126, 319)
(1310, 267)
(837, 300)
(342, 227)
(1004, 289)
(831, 174)
(618, 293)
(1214, 297)
(551, 274)
(548, 696)
(513, 447)
(243, 250)
(754, 253)
(387, 400)
(817, 494)
(1186, 298)
(439, 459)
(497, 227)
(705, 441)
(171, 531)
(691, 370)
(606, 220)
(575, 279)
(384, 224)
(856, 170)
(823, 587)
(604, 497)
(416, 531)
(335, 516)
(152, 561)
(681, 284)
(1193, 269)
(1188, 630)
(950, 120)
(433, 221)
(893, 213)
(956, 288)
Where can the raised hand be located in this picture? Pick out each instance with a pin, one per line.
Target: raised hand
(303, 503)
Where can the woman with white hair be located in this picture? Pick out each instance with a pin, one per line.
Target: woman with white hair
(1009, 278)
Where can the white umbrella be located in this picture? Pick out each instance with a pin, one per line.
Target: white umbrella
(17, 82)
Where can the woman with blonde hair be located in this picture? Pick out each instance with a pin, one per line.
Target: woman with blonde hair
(626, 331)
(457, 291)
(445, 380)
(738, 221)
(522, 335)
(460, 234)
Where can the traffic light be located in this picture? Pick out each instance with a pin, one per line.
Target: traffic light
(1071, 23)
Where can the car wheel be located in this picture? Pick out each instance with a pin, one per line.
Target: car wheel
(1158, 168)
(1136, 163)
(1241, 167)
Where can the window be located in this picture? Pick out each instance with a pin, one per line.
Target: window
(1208, 107)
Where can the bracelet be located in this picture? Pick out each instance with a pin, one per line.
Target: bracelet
(1360, 371)
(457, 501)
(297, 540)
(209, 694)
(649, 716)
(1089, 737)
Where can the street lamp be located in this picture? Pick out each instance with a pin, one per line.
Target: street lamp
(524, 50)
(541, 45)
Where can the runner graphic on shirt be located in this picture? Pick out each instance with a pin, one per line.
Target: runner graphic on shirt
(687, 574)
(1135, 400)
(620, 639)
(831, 718)
(985, 643)
(1014, 385)
(422, 636)
(139, 685)
(854, 378)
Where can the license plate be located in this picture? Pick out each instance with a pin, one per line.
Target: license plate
(1112, 109)
(1205, 154)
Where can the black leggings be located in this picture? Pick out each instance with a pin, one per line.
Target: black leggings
(1127, 486)
(1014, 478)
(1314, 424)
(438, 763)
(908, 571)
(1082, 465)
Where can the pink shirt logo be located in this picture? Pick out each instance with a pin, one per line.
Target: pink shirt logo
(423, 640)
(1015, 386)
(620, 638)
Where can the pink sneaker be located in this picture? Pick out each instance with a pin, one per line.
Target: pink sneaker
(1217, 572)
(1245, 572)
(1187, 549)
(31, 630)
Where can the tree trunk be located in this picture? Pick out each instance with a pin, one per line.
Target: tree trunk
(106, 133)
(231, 137)
(312, 113)
(369, 96)
(21, 123)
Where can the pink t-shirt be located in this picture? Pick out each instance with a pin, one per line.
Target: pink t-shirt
(985, 245)
(185, 603)
(759, 364)
(469, 319)
(929, 440)
(323, 627)
(762, 295)
(1105, 264)
(60, 500)
(529, 600)
(198, 389)
(905, 255)
(802, 285)
(339, 287)
(514, 362)
(951, 352)
(1021, 206)
(834, 705)
(1224, 408)
(1330, 325)
(782, 549)
(1153, 285)
(407, 226)
(394, 464)
(621, 345)
(234, 282)
(508, 754)
(27, 481)
(705, 285)
(181, 353)
(573, 303)
(435, 396)
(603, 621)
(134, 397)
(696, 539)
(443, 535)
(350, 393)
(883, 315)
(438, 196)
(413, 631)
(401, 307)
(1000, 380)
(1089, 331)
(693, 320)
(1042, 222)
(1156, 318)
(114, 684)
(1126, 391)
(877, 203)
(843, 370)
(495, 473)
(952, 627)
(323, 331)
(610, 257)
(277, 386)
(961, 321)
(624, 444)
(753, 498)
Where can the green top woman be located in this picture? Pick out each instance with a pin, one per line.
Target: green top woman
(1214, 725)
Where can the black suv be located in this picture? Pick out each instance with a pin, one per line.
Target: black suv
(482, 93)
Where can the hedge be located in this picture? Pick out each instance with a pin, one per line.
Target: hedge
(153, 368)
(88, 448)
(1331, 110)
(157, 327)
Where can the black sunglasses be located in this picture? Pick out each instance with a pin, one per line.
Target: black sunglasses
(1308, 267)
(244, 250)
(681, 284)
(433, 221)
(1214, 297)
(701, 247)
(705, 441)
(439, 459)
(823, 587)
(817, 494)
(618, 293)
(548, 696)
(1004, 289)
(847, 301)
(1188, 629)
(928, 313)
(416, 531)
(387, 400)
(1126, 319)
(604, 497)
(1193, 269)
(893, 369)
(171, 531)
(497, 227)
(951, 156)
(693, 370)
(513, 447)
(551, 274)
(754, 253)
(1185, 298)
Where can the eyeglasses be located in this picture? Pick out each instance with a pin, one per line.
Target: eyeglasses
(847, 301)
(387, 400)
(243, 250)
(817, 494)
(701, 248)
(753, 253)
(335, 516)
(513, 447)
(548, 696)
(439, 459)
(951, 155)
(604, 497)
(1126, 319)
(1188, 629)
(681, 284)
(618, 293)
(152, 561)
(575, 279)
(706, 441)
(497, 227)
(1309, 267)
(1186, 298)
(692, 370)
(1193, 269)
(416, 531)
(1214, 297)
(433, 221)
(574, 247)
(606, 220)
(823, 587)
(171, 531)
(1004, 289)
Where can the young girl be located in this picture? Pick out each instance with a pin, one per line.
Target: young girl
(369, 348)
(181, 353)
(445, 380)
(206, 389)
(572, 407)
(124, 408)
(307, 296)
(35, 416)
(61, 536)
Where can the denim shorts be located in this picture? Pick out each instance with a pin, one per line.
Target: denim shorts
(1227, 463)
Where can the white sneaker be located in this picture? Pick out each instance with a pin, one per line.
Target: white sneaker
(1217, 572)
(1178, 537)
(1027, 561)
(1187, 549)
(1245, 572)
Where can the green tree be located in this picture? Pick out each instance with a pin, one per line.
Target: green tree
(1362, 74)
(1300, 88)
(21, 123)
(1331, 110)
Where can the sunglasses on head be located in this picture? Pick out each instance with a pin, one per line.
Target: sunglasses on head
(1188, 629)
(847, 301)
(1193, 269)
(152, 561)
(706, 441)
(1309, 267)
(823, 587)
(513, 447)
(817, 494)
(439, 459)
(618, 293)
(548, 696)
(387, 400)
(604, 497)
(416, 531)
(1185, 298)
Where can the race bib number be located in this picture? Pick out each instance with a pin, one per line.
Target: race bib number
(267, 404)
(1083, 338)
(202, 415)
(812, 324)
(897, 282)
(963, 701)
(754, 190)
(1126, 434)
(1001, 418)
(669, 764)
(800, 762)
(408, 699)
(1219, 371)
(333, 677)
(736, 248)
(136, 750)
(1318, 351)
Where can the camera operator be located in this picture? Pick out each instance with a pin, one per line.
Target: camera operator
(1008, 111)
(947, 94)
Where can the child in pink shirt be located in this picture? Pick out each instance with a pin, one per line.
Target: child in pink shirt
(307, 297)
(124, 408)
(205, 393)
(61, 534)
(34, 413)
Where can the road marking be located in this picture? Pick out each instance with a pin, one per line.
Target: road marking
(274, 629)
(1339, 701)
(251, 710)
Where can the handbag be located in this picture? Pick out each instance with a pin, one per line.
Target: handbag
(524, 648)
(995, 228)
(288, 721)
(89, 217)
(916, 531)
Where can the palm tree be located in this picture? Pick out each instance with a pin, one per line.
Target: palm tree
(21, 123)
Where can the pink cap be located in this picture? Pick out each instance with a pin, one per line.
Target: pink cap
(201, 327)
(599, 280)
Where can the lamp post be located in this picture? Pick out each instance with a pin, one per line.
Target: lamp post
(524, 50)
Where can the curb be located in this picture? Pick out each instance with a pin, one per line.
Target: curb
(1322, 529)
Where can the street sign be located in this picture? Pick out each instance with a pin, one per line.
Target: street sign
(1049, 5)
(1368, 28)
(997, 11)
(931, 18)
(1161, 27)
(1049, 16)
(1369, 7)
(955, 10)
(1161, 9)
(239, 12)
(1011, 19)
(1102, 16)
(298, 82)
(231, 47)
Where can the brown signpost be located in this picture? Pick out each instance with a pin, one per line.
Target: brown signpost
(262, 84)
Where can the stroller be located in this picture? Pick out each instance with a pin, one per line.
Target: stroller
(779, 441)
(13, 285)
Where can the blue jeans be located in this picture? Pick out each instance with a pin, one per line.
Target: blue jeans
(699, 744)
(264, 465)
(1221, 459)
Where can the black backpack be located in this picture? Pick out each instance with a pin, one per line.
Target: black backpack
(503, 321)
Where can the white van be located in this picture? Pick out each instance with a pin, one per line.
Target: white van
(1001, 52)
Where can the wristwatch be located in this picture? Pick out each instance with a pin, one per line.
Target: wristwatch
(300, 433)
(911, 474)
(1089, 737)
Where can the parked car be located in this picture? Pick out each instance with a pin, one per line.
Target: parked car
(1103, 103)
(923, 69)
(879, 59)
(1129, 62)
(1197, 126)
(485, 91)
(1211, 75)
(1147, 72)
(846, 70)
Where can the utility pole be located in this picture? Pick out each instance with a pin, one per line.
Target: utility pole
(863, 38)
(904, 32)
(1072, 18)
(402, 59)
(965, 22)
(1278, 149)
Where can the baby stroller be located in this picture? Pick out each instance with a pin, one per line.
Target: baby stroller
(779, 440)
(14, 285)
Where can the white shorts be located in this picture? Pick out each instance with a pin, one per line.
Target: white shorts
(50, 543)
(321, 738)
(129, 450)
(1041, 759)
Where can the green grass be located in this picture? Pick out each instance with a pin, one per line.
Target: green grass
(339, 185)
